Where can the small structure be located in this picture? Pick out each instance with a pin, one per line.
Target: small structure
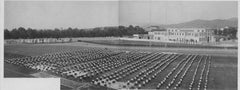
(142, 36)
(38, 40)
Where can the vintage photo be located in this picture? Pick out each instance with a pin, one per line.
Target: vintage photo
(112, 45)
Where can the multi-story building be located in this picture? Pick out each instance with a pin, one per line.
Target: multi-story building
(182, 35)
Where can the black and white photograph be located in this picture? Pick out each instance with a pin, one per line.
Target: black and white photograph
(122, 44)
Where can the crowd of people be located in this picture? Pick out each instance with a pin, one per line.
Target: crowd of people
(132, 69)
(100, 66)
(61, 59)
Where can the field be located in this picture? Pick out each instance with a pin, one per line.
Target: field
(152, 43)
(88, 66)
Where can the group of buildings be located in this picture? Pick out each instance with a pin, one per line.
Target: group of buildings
(38, 40)
(178, 35)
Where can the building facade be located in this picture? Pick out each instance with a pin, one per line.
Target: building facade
(182, 35)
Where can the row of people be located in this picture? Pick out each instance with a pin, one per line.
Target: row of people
(171, 72)
(191, 58)
(177, 85)
(207, 73)
(202, 73)
(195, 73)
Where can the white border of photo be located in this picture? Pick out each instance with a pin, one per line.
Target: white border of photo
(51, 83)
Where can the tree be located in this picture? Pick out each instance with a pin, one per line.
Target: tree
(14, 34)
(69, 32)
(22, 32)
(7, 34)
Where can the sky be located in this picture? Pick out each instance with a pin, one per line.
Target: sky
(89, 14)
(173, 12)
(60, 14)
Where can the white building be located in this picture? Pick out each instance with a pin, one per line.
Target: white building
(181, 35)
(186, 35)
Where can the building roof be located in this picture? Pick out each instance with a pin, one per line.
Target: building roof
(182, 29)
(189, 28)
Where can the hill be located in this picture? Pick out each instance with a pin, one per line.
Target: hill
(216, 23)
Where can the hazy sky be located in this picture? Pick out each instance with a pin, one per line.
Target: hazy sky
(82, 14)
(171, 12)
(57, 14)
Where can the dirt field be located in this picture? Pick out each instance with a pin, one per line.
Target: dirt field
(147, 43)
(27, 49)
(222, 76)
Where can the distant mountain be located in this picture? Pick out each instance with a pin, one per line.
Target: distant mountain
(216, 23)
(233, 19)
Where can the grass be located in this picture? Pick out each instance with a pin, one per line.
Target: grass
(16, 71)
(62, 87)
(223, 74)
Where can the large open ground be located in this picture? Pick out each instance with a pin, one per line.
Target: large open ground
(82, 65)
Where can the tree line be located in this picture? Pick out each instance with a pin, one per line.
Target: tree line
(30, 33)
(230, 32)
